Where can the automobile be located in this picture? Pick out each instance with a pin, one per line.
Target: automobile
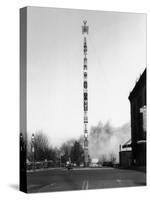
(74, 164)
(95, 165)
(68, 165)
(81, 165)
(107, 164)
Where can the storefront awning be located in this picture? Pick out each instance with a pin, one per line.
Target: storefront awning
(127, 144)
(141, 141)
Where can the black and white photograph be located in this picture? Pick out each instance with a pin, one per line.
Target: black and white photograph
(83, 90)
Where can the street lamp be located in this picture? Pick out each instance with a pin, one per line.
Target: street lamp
(33, 150)
(21, 152)
(60, 159)
(21, 142)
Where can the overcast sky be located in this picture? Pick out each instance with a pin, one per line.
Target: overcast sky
(116, 57)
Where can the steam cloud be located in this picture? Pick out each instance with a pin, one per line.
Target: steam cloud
(104, 140)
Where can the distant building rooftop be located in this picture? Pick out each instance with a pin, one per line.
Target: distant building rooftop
(138, 84)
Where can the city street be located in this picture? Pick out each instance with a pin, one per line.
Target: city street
(83, 179)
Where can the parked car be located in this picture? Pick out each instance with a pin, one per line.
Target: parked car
(68, 165)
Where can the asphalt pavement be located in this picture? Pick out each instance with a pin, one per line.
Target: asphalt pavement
(52, 180)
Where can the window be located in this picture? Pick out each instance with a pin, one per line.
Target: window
(85, 105)
(85, 96)
(85, 84)
(85, 75)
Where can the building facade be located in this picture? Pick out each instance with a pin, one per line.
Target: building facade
(137, 100)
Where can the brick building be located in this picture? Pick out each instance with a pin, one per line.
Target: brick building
(137, 100)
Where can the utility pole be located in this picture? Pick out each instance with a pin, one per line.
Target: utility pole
(85, 30)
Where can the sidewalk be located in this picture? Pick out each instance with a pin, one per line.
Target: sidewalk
(65, 169)
(137, 168)
(43, 169)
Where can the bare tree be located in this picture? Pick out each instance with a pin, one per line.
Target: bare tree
(42, 149)
(113, 158)
(103, 159)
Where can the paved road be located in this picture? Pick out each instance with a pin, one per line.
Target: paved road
(82, 179)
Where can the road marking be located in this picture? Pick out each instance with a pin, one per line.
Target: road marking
(32, 186)
(118, 180)
(85, 185)
(48, 187)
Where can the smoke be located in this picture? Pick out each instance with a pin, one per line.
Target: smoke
(104, 140)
